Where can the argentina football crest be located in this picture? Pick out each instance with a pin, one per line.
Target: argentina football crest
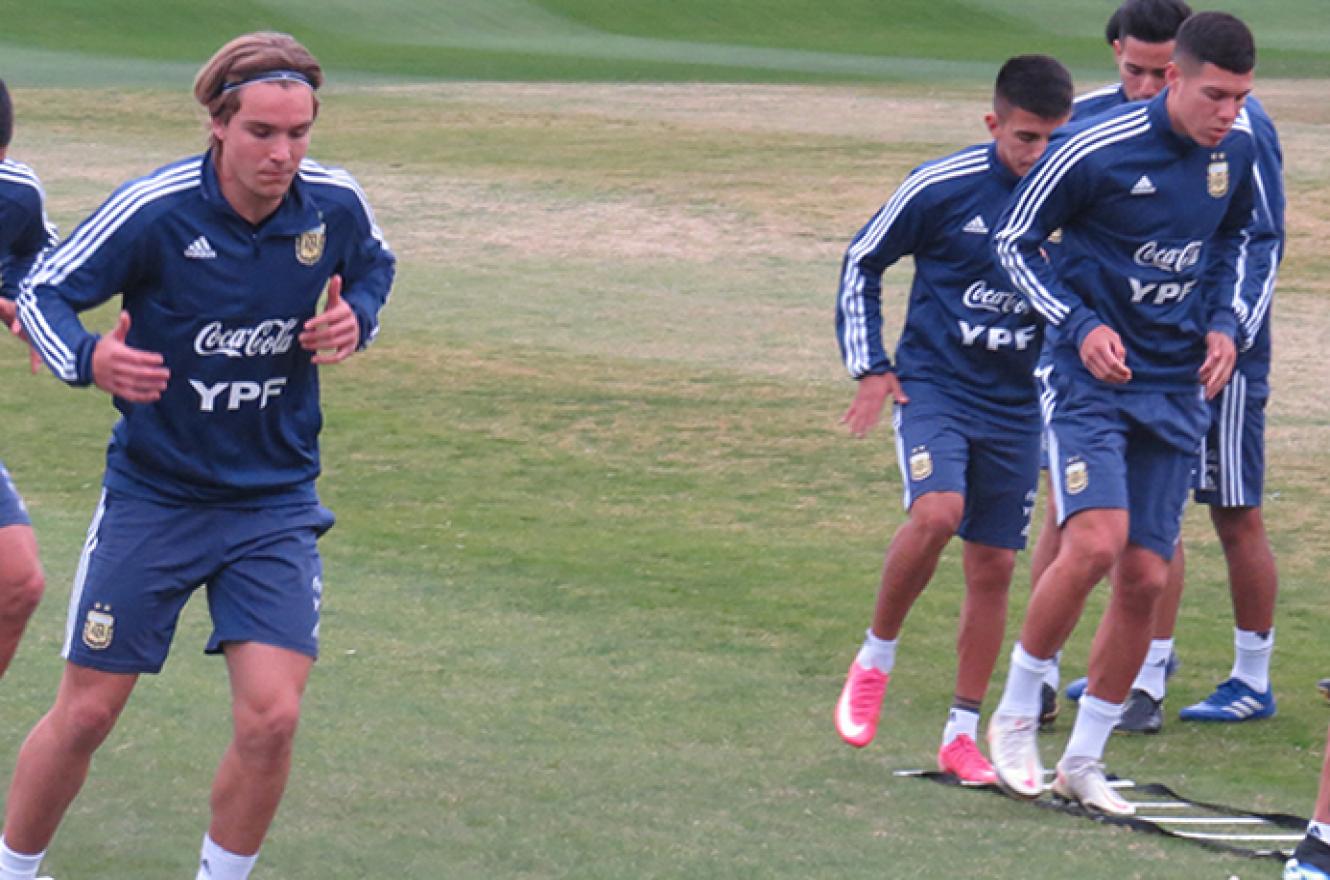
(1216, 178)
(310, 244)
(99, 627)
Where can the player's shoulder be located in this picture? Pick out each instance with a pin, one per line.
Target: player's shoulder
(330, 181)
(1094, 102)
(156, 191)
(938, 178)
(20, 184)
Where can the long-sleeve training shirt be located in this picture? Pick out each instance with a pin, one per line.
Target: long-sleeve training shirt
(223, 301)
(966, 329)
(1152, 228)
(24, 230)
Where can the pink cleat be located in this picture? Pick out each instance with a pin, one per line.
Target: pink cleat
(962, 759)
(860, 703)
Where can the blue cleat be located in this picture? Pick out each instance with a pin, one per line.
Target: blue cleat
(1232, 701)
(1309, 861)
(1077, 687)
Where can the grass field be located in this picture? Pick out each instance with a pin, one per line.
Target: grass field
(603, 551)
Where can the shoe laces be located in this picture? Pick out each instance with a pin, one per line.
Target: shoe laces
(964, 754)
(866, 691)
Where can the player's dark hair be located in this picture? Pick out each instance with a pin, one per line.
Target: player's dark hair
(1216, 38)
(1037, 84)
(1150, 21)
(6, 116)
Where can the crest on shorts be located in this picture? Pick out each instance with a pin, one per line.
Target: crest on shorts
(309, 245)
(1216, 178)
(1077, 477)
(1055, 237)
(921, 464)
(99, 627)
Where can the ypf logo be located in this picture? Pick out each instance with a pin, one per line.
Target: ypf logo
(266, 338)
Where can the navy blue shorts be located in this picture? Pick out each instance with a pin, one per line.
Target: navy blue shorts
(13, 512)
(1232, 467)
(1126, 450)
(943, 446)
(144, 559)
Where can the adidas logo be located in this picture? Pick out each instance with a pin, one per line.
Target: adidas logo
(1143, 187)
(976, 226)
(199, 249)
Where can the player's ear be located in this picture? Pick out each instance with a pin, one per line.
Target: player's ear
(992, 122)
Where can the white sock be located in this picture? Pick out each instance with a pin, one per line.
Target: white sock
(216, 863)
(18, 866)
(1025, 676)
(960, 721)
(1095, 720)
(1251, 658)
(879, 654)
(1053, 677)
(1151, 678)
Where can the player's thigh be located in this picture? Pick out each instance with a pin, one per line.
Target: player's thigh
(1003, 481)
(1087, 449)
(271, 590)
(1159, 477)
(931, 448)
(140, 563)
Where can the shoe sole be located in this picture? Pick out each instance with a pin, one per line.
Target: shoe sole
(1091, 808)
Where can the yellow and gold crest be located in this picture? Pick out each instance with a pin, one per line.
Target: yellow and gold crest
(309, 245)
(99, 628)
(1216, 178)
(1055, 237)
(1077, 477)
(921, 465)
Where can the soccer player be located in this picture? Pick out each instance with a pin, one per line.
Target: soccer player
(966, 413)
(1152, 200)
(220, 260)
(1141, 34)
(24, 234)
(1232, 468)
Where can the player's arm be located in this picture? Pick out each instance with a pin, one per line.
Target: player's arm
(97, 261)
(366, 273)
(1222, 273)
(893, 232)
(36, 235)
(1263, 241)
(1058, 188)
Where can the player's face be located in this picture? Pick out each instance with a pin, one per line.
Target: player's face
(1021, 137)
(263, 144)
(1204, 100)
(1141, 66)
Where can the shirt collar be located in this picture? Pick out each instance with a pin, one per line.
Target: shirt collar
(296, 214)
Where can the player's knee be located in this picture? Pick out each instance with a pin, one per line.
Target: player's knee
(1238, 526)
(20, 592)
(265, 735)
(85, 724)
(936, 517)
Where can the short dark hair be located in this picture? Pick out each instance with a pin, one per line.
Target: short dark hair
(1150, 21)
(6, 116)
(1038, 84)
(1217, 38)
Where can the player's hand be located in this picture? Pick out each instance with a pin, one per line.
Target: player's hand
(1104, 356)
(866, 408)
(128, 373)
(334, 334)
(1220, 357)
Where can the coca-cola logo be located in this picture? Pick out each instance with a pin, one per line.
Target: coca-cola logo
(1177, 259)
(980, 296)
(267, 338)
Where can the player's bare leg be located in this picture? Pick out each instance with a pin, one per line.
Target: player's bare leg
(1091, 541)
(1123, 636)
(983, 621)
(21, 586)
(266, 687)
(53, 761)
(912, 558)
(1041, 557)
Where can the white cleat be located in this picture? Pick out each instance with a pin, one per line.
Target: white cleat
(1014, 749)
(1082, 780)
